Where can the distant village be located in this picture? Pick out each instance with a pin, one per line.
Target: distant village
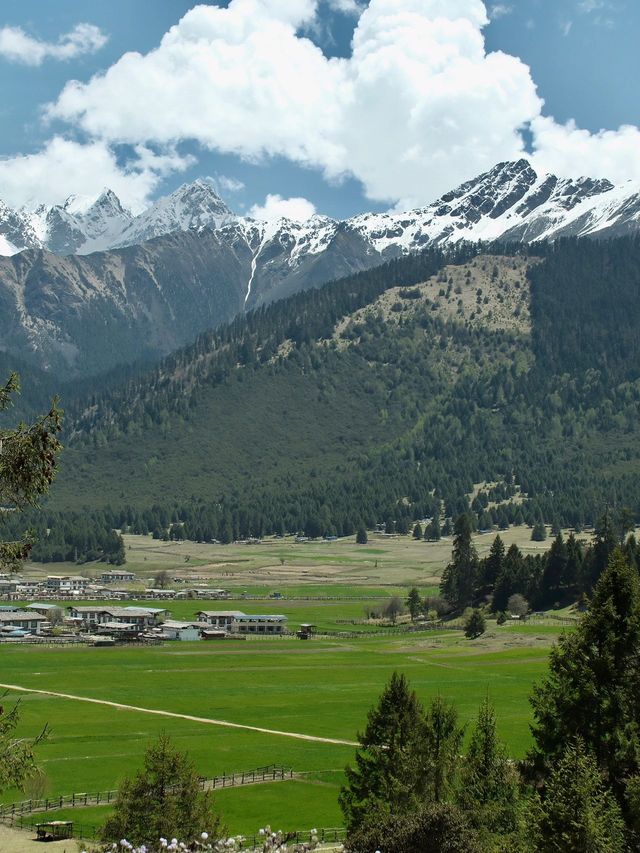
(104, 623)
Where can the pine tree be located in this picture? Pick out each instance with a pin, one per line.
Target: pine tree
(573, 566)
(604, 544)
(417, 530)
(361, 536)
(539, 532)
(28, 463)
(432, 530)
(414, 603)
(163, 800)
(441, 743)
(385, 778)
(578, 813)
(555, 568)
(488, 788)
(592, 690)
(475, 624)
(494, 562)
(459, 577)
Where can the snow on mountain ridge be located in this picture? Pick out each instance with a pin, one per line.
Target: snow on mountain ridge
(510, 201)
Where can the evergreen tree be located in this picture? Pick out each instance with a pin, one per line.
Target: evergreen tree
(28, 463)
(488, 789)
(510, 580)
(435, 828)
(162, 800)
(555, 569)
(414, 603)
(475, 624)
(494, 562)
(573, 565)
(578, 813)
(417, 530)
(387, 769)
(459, 577)
(603, 546)
(361, 536)
(432, 530)
(441, 743)
(592, 690)
(539, 532)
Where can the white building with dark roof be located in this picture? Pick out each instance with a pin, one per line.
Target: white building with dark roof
(237, 622)
(23, 620)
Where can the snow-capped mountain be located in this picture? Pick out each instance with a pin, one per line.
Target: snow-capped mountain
(191, 206)
(510, 202)
(81, 226)
(187, 263)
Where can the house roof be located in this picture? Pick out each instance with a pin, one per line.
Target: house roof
(21, 615)
(231, 613)
(264, 617)
(37, 605)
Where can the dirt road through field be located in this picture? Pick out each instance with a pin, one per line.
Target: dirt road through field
(205, 720)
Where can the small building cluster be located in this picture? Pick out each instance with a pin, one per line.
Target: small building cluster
(99, 621)
(106, 587)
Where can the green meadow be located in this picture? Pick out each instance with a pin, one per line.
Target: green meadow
(320, 687)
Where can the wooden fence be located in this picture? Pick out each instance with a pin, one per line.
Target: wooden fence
(269, 773)
(91, 832)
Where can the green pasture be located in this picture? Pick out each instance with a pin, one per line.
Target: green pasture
(246, 809)
(321, 687)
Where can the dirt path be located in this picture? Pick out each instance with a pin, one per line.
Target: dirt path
(206, 720)
(23, 841)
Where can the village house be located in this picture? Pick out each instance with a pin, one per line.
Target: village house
(28, 588)
(117, 576)
(20, 620)
(140, 617)
(65, 584)
(173, 629)
(8, 587)
(43, 608)
(236, 622)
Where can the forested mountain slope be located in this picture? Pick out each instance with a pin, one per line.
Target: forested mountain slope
(190, 264)
(385, 396)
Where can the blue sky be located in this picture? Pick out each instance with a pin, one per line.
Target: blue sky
(580, 56)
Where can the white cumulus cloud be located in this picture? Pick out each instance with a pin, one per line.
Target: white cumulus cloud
(419, 106)
(566, 149)
(347, 7)
(276, 207)
(18, 46)
(499, 10)
(226, 184)
(64, 167)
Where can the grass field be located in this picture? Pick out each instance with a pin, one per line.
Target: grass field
(381, 567)
(322, 688)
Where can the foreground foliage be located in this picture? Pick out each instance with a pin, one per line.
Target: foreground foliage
(28, 463)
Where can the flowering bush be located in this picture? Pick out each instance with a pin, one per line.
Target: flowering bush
(270, 842)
